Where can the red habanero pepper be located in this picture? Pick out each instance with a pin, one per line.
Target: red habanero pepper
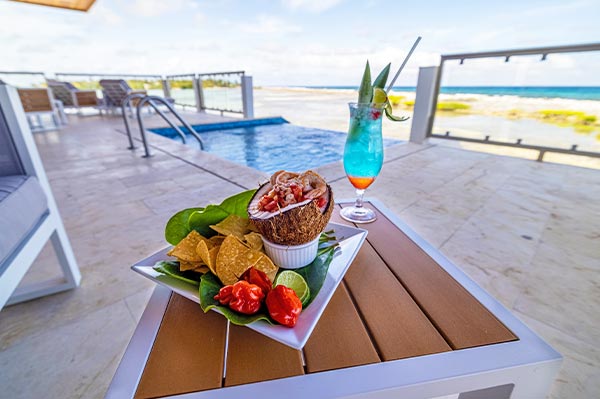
(258, 277)
(242, 297)
(284, 305)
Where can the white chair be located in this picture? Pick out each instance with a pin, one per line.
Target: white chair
(28, 213)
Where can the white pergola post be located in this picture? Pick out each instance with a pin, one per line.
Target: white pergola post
(424, 100)
(166, 88)
(198, 94)
(247, 96)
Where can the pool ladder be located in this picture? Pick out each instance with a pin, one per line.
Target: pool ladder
(152, 100)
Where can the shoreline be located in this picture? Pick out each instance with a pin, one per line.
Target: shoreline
(507, 118)
(590, 93)
(478, 102)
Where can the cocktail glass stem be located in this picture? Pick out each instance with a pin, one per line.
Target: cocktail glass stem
(359, 198)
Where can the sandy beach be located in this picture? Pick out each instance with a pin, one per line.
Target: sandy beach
(501, 117)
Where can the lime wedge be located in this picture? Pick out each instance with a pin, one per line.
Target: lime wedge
(293, 280)
(379, 96)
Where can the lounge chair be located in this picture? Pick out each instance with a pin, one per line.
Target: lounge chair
(40, 102)
(71, 96)
(115, 91)
(28, 214)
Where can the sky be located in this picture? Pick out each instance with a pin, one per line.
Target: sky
(303, 42)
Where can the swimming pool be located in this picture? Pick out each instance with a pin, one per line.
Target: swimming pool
(268, 144)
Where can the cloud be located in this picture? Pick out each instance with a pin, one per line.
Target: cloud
(105, 15)
(153, 8)
(199, 17)
(267, 24)
(315, 6)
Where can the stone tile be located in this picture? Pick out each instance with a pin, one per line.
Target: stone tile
(506, 284)
(63, 362)
(45, 267)
(136, 303)
(99, 288)
(579, 376)
(564, 293)
(174, 201)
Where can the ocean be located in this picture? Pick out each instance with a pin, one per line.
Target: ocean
(567, 92)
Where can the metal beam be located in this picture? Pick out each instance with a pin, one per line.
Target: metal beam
(574, 48)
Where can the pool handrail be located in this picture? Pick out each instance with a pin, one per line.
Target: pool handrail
(126, 104)
(150, 100)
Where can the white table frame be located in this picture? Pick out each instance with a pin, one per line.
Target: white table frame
(521, 369)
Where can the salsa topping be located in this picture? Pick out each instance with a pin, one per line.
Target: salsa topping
(292, 188)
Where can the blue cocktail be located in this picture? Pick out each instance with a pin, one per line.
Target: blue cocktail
(363, 153)
(363, 156)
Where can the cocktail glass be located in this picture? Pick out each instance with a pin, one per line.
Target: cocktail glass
(363, 156)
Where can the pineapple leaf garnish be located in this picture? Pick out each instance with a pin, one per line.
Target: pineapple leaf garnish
(381, 79)
(365, 93)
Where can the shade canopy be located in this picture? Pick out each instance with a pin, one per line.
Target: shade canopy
(79, 5)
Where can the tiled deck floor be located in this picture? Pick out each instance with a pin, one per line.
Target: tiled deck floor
(527, 232)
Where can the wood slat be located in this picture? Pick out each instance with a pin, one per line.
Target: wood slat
(253, 357)
(35, 100)
(395, 321)
(340, 339)
(461, 319)
(188, 353)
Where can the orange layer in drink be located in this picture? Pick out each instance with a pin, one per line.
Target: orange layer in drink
(361, 182)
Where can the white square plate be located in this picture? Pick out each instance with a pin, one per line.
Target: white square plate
(350, 240)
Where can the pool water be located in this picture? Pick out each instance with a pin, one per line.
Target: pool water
(269, 144)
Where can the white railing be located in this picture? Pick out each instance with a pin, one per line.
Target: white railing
(428, 90)
(224, 92)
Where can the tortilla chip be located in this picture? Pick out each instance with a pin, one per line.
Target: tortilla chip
(201, 269)
(232, 224)
(228, 269)
(217, 240)
(186, 249)
(208, 242)
(254, 241)
(213, 252)
(266, 265)
(234, 258)
(184, 265)
(208, 255)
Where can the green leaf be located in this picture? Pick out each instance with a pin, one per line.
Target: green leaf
(238, 204)
(381, 79)
(388, 113)
(171, 268)
(177, 227)
(366, 90)
(201, 220)
(209, 287)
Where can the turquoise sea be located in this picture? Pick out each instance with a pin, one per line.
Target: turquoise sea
(570, 92)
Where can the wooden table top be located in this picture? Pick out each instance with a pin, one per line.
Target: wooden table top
(395, 302)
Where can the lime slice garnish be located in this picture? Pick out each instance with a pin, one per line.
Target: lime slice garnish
(293, 280)
(379, 96)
